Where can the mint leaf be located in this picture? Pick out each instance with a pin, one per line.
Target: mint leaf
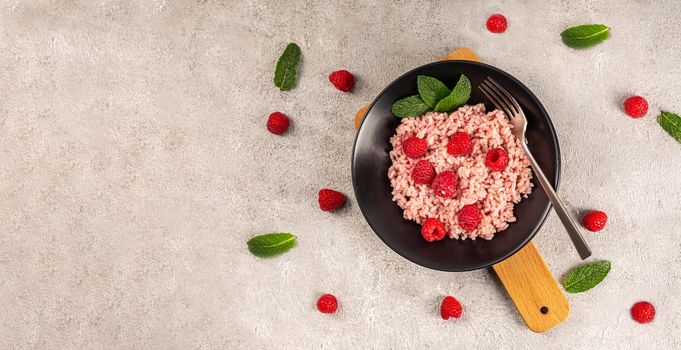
(431, 90)
(585, 277)
(411, 106)
(584, 36)
(671, 123)
(271, 244)
(285, 74)
(459, 96)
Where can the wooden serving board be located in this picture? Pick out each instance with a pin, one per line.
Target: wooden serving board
(527, 279)
(533, 289)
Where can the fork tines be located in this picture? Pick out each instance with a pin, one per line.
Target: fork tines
(501, 98)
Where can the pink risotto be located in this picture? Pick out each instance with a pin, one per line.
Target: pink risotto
(493, 192)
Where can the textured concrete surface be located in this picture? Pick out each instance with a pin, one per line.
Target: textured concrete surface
(136, 164)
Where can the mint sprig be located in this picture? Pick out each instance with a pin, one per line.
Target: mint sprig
(285, 73)
(459, 96)
(586, 35)
(433, 95)
(411, 106)
(431, 90)
(271, 244)
(671, 123)
(585, 277)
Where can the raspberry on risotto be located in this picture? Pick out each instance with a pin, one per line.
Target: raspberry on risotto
(496, 192)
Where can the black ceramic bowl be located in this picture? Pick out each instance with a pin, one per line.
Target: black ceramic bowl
(371, 160)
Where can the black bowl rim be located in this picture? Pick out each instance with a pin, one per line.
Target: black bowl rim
(557, 163)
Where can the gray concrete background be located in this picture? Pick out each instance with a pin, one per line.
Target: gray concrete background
(135, 164)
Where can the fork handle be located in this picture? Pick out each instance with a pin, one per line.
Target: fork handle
(576, 236)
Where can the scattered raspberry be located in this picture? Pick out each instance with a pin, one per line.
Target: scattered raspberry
(342, 80)
(460, 144)
(445, 184)
(330, 200)
(327, 304)
(450, 308)
(496, 159)
(469, 217)
(423, 172)
(414, 147)
(636, 106)
(643, 312)
(433, 230)
(497, 23)
(278, 123)
(595, 220)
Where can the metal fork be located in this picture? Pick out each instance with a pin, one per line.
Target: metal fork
(505, 102)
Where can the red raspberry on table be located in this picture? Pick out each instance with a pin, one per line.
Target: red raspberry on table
(496, 159)
(636, 106)
(445, 184)
(450, 308)
(330, 200)
(423, 172)
(595, 220)
(278, 123)
(327, 304)
(414, 147)
(497, 23)
(643, 312)
(459, 144)
(469, 217)
(433, 230)
(342, 80)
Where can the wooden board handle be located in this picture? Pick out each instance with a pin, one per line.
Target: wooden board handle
(533, 289)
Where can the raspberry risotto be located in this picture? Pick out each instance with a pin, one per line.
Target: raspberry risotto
(493, 192)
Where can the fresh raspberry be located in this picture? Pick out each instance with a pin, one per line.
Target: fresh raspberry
(469, 217)
(450, 308)
(433, 230)
(278, 123)
(497, 23)
(460, 144)
(643, 312)
(636, 106)
(595, 220)
(445, 184)
(414, 147)
(330, 200)
(496, 159)
(423, 172)
(342, 80)
(327, 304)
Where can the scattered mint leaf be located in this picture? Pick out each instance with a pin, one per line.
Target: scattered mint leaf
(584, 36)
(585, 277)
(459, 96)
(411, 106)
(271, 244)
(285, 74)
(671, 123)
(431, 90)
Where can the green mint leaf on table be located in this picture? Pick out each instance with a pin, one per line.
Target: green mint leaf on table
(587, 35)
(585, 277)
(459, 96)
(671, 123)
(431, 90)
(271, 244)
(285, 74)
(411, 106)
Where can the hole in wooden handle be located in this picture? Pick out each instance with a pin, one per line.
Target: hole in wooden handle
(544, 310)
